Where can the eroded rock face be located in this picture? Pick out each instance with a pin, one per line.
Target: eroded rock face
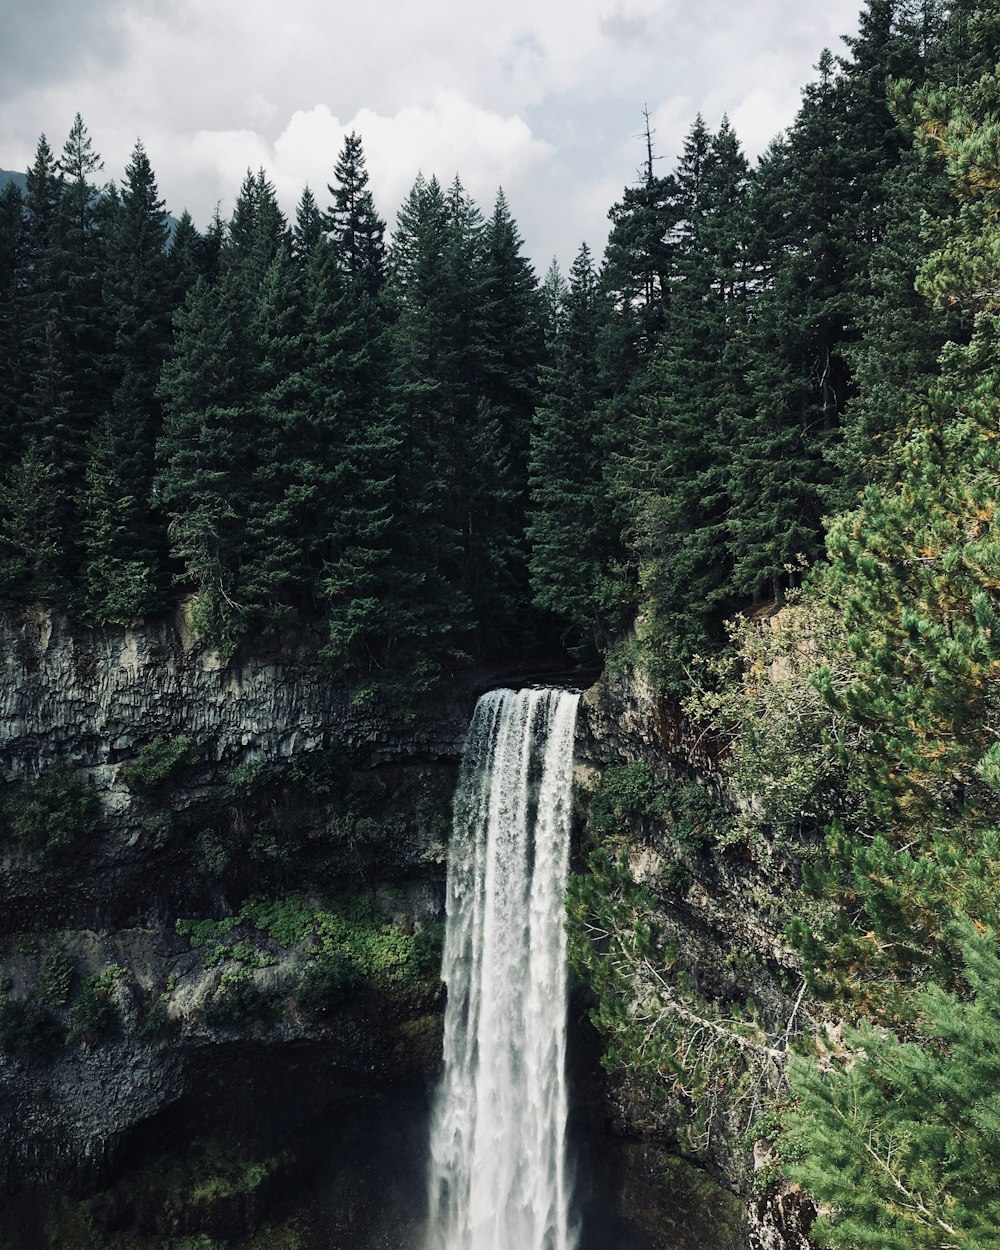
(284, 788)
(720, 910)
(90, 699)
(288, 788)
(90, 703)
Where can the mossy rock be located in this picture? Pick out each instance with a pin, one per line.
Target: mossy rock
(418, 1043)
(676, 1205)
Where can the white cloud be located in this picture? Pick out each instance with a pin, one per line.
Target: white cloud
(543, 96)
(449, 136)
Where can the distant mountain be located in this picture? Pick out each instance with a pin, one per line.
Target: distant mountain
(8, 175)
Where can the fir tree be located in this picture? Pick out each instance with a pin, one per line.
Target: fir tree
(121, 534)
(568, 503)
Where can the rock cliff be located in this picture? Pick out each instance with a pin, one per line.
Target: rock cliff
(718, 1002)
(221, 893)
(221, 896)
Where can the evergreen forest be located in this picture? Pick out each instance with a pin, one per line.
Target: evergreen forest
(777, 391)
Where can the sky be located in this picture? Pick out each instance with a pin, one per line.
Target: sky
(542, 97)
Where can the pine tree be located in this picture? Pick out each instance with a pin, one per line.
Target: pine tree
(356, 230)
(308, 229)
(30, 541)
(184, 260)
(13, 295)
(255, 233)
(915, 574)
(434, 399)
(680, 480)
(569, 506)
(207, 451)
(898, 1139)
(121, 535)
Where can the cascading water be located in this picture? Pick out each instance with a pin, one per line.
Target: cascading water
(498, 1152)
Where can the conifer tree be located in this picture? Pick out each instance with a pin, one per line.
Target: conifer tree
(680, 480)
(897, 1139)
(206, 453)
(569, 506)
(184, 260)
(122, 536)
(308, 229)
(431, 393)
(14, 278)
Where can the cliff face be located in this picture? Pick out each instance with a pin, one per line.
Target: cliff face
(87, 704)
(221, 890)
(221, 894)
(720, 999)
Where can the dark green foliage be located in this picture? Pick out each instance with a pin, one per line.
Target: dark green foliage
(45, 815)
(680, 481)
(30, 535)
(898, 1138)
(237, 1000)
(204, 458)
(697, 819)
(156, 763)
(327, 984)
(570, 525)
(26, 1028)
(94, 1014)
(124, 542)
(625, 791)
(630, 792)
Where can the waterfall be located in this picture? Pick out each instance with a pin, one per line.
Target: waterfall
(498, 1157)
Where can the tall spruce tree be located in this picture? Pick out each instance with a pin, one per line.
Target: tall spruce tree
(208, 449)
(680, 481)
(124, 542)
(569, 513)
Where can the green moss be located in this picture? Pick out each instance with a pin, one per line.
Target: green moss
(238, 999)
(175, 1193)
(354, 945)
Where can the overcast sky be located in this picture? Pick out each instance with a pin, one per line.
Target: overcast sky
(543, 97)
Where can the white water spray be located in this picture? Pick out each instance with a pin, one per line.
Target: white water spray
(498, 1149)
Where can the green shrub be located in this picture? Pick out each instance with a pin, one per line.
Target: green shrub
(155, 1020)
(626, 791)
(427, 950)
(696, 818)
(211, 856)
(54, 810)
(329, 981)
(156, 763)
(94, 1013)
(237, 999)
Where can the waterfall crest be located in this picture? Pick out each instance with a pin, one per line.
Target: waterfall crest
(498, 1167)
